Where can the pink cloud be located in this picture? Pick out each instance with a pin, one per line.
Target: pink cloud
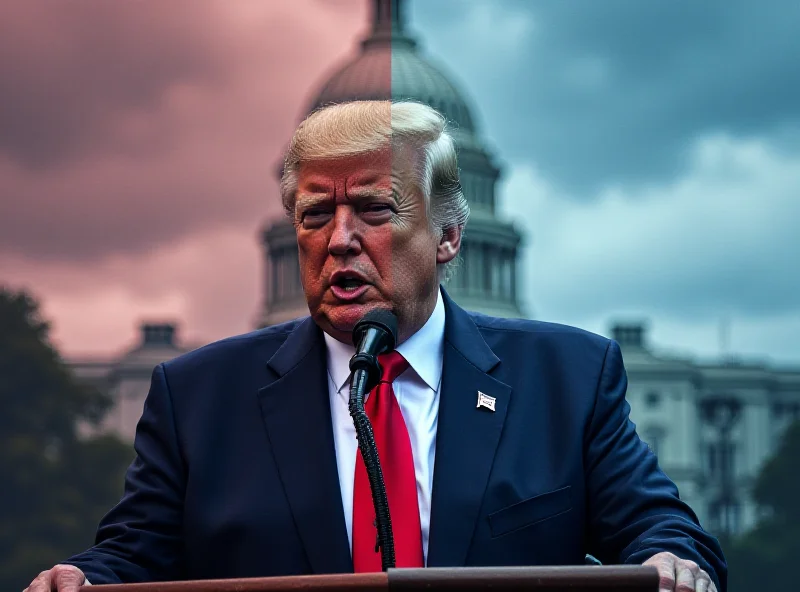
(141, 151)
(209, 284)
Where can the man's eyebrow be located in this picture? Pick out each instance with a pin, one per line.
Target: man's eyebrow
(312, 199)
(362, 192)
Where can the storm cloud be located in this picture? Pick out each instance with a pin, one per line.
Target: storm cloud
(651, 157)
(650, 154)
(139, 148)
(615, 91)
(127, 126)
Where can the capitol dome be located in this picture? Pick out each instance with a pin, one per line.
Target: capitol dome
(389, 66)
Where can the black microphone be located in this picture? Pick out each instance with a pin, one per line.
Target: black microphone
(374, 334)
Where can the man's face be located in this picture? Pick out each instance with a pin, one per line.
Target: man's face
(365, 242)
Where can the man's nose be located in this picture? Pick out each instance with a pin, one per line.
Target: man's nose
(345, 239)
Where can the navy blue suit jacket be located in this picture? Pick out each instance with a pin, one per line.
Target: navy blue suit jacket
(235, 473)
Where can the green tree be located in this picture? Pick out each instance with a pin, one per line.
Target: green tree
(766, 557)
(56, 484)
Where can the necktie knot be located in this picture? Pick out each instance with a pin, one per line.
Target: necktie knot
(393, 364)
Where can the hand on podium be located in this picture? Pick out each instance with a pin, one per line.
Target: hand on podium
(676, 574)
(61, 578)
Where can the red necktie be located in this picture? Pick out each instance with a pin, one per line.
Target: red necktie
(397, 462)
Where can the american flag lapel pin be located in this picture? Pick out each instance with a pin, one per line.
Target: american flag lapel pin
(486, 401)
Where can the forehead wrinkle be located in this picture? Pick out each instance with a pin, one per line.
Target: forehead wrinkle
(366, 184)
(317, 184)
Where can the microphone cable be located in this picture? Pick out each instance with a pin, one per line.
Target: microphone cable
(369, 452)
(374, 334)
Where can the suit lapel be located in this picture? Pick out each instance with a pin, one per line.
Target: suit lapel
(297, 416)
(466, 440)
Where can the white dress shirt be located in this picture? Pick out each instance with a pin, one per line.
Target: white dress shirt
(417, 393)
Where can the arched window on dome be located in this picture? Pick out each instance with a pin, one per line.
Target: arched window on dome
(475, 188)
(508, 264)
(476, 268)
(276, 275)
(295, 285)
(497, 274)
(488, 276)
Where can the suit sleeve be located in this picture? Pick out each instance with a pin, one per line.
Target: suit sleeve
(634, 510)
(140, 539)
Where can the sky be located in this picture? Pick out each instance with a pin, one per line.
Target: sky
(650, 155)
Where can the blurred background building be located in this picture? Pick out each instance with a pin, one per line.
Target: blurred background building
(711, 424)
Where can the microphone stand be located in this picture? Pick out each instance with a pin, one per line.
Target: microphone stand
(369, 452)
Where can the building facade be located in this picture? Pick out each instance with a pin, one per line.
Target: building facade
(127, 378)
(712, 425)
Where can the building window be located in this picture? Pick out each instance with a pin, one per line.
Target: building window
(653, 443)
(711, 459)
(654, 438)
(296, 286)
(508, 293)
(725, 517)
(727, 460)
(277, 284)
(721, 459)
(488, 268)
(733, 518)
(477, 268)
(475, 187)
(652, 400)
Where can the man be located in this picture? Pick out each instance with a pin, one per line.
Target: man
(503, 442)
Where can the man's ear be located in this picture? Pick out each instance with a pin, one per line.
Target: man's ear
(449, 245)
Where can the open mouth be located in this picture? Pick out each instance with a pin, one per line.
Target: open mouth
(349, 284)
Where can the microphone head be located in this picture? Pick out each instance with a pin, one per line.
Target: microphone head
(378, 318)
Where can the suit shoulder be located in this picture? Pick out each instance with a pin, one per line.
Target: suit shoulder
(539, 331)
(265, 341)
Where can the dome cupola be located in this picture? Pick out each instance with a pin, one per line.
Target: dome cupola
(389, 66)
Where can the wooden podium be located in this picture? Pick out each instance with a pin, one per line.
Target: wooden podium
(467, 579)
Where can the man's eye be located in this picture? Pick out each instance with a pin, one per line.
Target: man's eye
(377, 208)
(314, 217)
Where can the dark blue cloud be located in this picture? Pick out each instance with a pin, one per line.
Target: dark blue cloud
(615, 91)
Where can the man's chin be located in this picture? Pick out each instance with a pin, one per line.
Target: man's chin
(343, 317)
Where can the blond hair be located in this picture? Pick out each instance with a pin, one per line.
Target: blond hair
(361, 127)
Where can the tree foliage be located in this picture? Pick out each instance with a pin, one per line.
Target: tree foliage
(56, 483)
(766, 557)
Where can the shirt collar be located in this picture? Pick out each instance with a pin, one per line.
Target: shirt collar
(424, 351)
